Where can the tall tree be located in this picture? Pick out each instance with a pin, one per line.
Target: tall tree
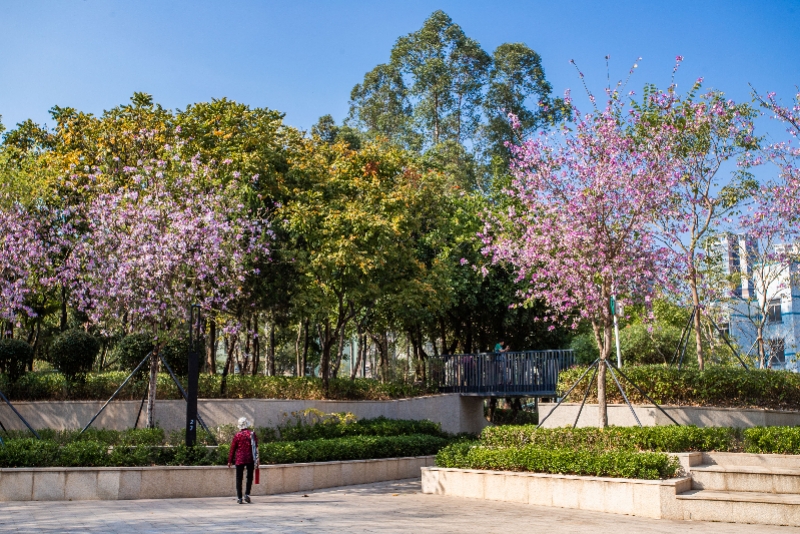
(583, 235)
(441, 86)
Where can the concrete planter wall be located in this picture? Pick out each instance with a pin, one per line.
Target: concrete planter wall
(119, 483)
(647, 498)
(649, 415)
(454, 412)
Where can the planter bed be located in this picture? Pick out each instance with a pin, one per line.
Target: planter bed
(165, 482)
(646, 498)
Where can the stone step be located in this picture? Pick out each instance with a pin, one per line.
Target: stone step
(741, 507)
(787, 461)
(738, 478)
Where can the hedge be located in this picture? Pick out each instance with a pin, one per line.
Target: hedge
(632, 439)
(30, 452)
(100, 386)
(617, 464)
(349, 448)
(759, 440)
(380, 426)
(716, 386)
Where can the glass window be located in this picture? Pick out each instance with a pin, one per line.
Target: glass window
(774, 311)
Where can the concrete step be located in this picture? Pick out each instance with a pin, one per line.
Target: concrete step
(787, 461)
(738, 478)
(741, 507)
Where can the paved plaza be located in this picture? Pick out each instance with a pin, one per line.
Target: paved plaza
(384, 507)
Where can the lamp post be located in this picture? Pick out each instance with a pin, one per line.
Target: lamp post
(193, 378)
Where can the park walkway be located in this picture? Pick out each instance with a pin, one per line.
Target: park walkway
(383, 507)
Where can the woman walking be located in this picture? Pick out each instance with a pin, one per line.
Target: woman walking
(245, 447)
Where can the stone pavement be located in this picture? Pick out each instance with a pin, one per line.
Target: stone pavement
(383, 507)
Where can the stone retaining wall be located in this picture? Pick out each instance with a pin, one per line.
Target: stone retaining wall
(119, 483)
(647, 498)
(649, 415)
(454, 412)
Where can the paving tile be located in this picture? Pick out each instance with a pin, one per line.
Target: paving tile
(387, 507)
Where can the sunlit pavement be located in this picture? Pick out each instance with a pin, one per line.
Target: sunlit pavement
(384, 507)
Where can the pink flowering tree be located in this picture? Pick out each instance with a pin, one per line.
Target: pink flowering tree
(581, 226)
(152, 250)
(708, 133)
(22, 255)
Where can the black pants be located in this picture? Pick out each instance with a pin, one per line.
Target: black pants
(240, 474)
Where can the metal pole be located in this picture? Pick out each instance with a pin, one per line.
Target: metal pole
(20, 416)
(725, 339)
(619, 386)
(616, 328)
(116, 392)
(183, 394)
(585, 396)
(631, 382)
(192, 379)
(688, 333)
(683, 334)
(568, 392)
(141, 405)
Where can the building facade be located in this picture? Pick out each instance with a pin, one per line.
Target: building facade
(754, 282)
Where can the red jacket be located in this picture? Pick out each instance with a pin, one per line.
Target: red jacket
(241, 447)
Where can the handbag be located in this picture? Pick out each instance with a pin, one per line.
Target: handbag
(256, 459)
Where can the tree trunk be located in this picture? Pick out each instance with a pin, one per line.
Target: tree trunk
(698, 337)
(247, 356)
(355, 363)
(256, 347)
(304, 361)
(211, 348)
(152, 388)
(339, 352)
(223, 385)
(604, 343)
(270, 363)
(63, 323)
(327, 340)
(298, 367)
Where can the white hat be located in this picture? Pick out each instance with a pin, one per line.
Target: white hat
(243, 423)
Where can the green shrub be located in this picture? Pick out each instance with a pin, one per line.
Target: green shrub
(100, 386)
(649, 343)
(15, 356)
(619, 464)
(176, 352)
(349, 448)
(716, 386)
(83, 454)
(73, 352)
(655, 438)
(335, 428)
(29, 452)
(131, 350)
(772, 440)
(585, 348)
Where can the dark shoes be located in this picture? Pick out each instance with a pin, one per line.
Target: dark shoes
(238, 501)
(247, 499)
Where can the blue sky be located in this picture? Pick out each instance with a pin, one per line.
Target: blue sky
(303, 57)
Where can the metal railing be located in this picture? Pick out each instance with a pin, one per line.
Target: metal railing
(529, 373)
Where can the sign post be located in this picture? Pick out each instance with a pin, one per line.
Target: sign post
(194, 374)
(615, 311)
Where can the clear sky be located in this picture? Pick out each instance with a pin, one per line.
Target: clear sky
(303, 57)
